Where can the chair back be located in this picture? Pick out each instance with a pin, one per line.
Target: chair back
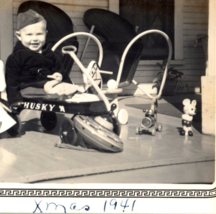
(117, 32)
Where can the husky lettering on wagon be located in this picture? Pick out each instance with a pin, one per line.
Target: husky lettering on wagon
(43, 107)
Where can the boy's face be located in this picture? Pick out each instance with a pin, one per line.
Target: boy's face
(33, 36)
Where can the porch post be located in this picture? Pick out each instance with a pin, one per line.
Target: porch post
(208, 81)
(114, 6)
(6, 28)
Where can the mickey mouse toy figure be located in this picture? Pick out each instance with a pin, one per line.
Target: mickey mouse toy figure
(189, 111)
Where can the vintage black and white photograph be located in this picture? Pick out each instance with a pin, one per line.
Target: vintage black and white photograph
(107, 91)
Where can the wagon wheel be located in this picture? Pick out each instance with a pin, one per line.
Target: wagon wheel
(48, 120)
(14, 130)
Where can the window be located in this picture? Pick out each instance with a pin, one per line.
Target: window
(148, 14)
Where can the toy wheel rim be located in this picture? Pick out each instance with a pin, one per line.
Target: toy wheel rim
(14, 130)
(48, 120)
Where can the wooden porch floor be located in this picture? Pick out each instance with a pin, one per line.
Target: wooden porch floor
(164, 158)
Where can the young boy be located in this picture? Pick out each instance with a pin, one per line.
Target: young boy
(32, 61)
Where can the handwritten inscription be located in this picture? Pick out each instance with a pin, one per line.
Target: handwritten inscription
(122, 206)
(42, 206)
(108, 206)
(42, 106)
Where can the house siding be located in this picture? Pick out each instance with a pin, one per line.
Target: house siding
(6, 22)
(193, 64)
(195, 21)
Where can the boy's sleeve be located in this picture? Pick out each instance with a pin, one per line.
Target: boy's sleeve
(13, 80)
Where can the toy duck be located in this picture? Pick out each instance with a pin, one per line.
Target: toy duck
(55, 86)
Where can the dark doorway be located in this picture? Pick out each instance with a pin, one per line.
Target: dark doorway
(151, 14)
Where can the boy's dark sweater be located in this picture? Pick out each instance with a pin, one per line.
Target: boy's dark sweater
(26, 68)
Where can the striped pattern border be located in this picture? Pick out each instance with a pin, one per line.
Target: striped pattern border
(110, 193)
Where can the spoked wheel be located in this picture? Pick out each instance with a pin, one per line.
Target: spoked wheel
(67, 132)
(14, 130)
(48, 120)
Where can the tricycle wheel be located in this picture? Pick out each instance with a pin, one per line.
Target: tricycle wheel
(14, 130)
(48, 120)
(67, 132)
(159, 128)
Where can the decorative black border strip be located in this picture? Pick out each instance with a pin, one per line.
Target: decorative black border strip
(110, 193)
